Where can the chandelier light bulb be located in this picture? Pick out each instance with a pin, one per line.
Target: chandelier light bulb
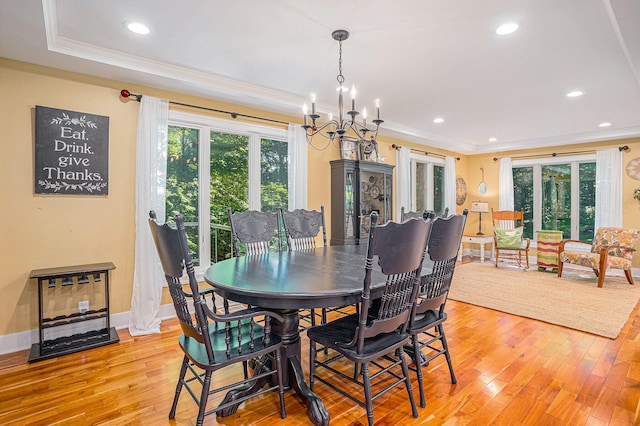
(313, 103)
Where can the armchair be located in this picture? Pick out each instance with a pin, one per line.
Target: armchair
(612, 248)
(508, 240)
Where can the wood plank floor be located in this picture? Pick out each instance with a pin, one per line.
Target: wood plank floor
(511, 371)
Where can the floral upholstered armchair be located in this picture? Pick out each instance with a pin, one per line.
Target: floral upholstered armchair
(612, 248)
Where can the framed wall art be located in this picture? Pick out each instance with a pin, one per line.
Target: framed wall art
(71, 152)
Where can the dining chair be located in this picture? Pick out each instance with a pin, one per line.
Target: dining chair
(420, 214)
(425, 214)
(254, 232)
(301, 229)
(379, 328)
(612, 248)
(508, 228)
(212, 340)
(429, 314)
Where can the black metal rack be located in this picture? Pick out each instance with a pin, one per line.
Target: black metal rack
(51, 348)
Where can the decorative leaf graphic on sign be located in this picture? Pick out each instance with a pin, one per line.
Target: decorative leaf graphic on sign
(77, 121)
(57, 186)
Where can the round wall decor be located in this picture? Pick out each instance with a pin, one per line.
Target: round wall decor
(461, 191)
(633, 168)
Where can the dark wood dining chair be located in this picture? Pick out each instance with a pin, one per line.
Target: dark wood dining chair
(302, 229)
(380, 328)
(427, 323)
(424, 214)
(254, 232)
(212, 340)
(420, 214)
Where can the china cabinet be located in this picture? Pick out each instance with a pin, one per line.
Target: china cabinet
(357, 189)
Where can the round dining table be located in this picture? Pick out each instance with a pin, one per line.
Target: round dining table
(288, 281)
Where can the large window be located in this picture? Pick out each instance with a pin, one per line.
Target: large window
(427, 184)
(215, 164)
(556, 194)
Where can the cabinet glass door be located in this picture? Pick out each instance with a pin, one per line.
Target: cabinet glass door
(350, 218)
(374, 197)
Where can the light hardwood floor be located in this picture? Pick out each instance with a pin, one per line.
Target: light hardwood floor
(511, 371)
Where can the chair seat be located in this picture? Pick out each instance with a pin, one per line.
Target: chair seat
(428, 319)
(592, 260)
(523, 246)
(198, 354)
(338, 333)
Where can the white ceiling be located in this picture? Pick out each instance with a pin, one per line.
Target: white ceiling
(423, 58)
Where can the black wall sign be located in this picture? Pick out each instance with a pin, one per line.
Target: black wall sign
(72, 152)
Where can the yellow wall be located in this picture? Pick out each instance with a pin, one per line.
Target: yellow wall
(41, 231)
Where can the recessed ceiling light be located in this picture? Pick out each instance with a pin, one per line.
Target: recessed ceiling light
(605, 124)
(492, 139)
(507, 28)
(438, 120)
(575, 94)
(138, 28)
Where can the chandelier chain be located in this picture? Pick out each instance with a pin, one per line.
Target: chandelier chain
(340, 77)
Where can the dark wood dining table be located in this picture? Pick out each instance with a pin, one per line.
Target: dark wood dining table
(288, 281)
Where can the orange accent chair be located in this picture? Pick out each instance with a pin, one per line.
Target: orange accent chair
(612, 248)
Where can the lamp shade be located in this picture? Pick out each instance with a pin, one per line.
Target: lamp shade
(480, 207)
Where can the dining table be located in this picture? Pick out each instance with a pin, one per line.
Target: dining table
(287, 282)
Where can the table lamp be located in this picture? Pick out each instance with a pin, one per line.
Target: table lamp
(480, 207)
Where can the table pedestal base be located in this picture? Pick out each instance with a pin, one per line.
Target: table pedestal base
(292, 375)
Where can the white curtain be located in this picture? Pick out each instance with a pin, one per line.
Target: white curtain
(151, 175)
(403, 181)
(608, 188)
(298, 168)
(450, 184)
(505, 194)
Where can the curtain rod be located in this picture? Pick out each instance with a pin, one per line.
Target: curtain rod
(126, 94)
(555, 154)
(397, 147)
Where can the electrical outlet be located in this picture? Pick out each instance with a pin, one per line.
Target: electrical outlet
(83, 306)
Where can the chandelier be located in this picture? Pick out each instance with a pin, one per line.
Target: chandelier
(344, 126)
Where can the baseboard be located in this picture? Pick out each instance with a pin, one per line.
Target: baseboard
(15, 342)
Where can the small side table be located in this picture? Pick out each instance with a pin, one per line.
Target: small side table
(481, 240)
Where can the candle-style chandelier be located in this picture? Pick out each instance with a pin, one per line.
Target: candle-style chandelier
(343, 127)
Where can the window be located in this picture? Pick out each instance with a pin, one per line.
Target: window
(427, 184)
(556, 194)
(213, 164)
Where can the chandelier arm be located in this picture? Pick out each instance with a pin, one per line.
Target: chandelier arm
(318, 128)
(310, 142)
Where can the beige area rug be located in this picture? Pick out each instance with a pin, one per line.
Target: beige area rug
(572, 301)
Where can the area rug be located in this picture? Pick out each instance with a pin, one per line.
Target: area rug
(572, 301)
